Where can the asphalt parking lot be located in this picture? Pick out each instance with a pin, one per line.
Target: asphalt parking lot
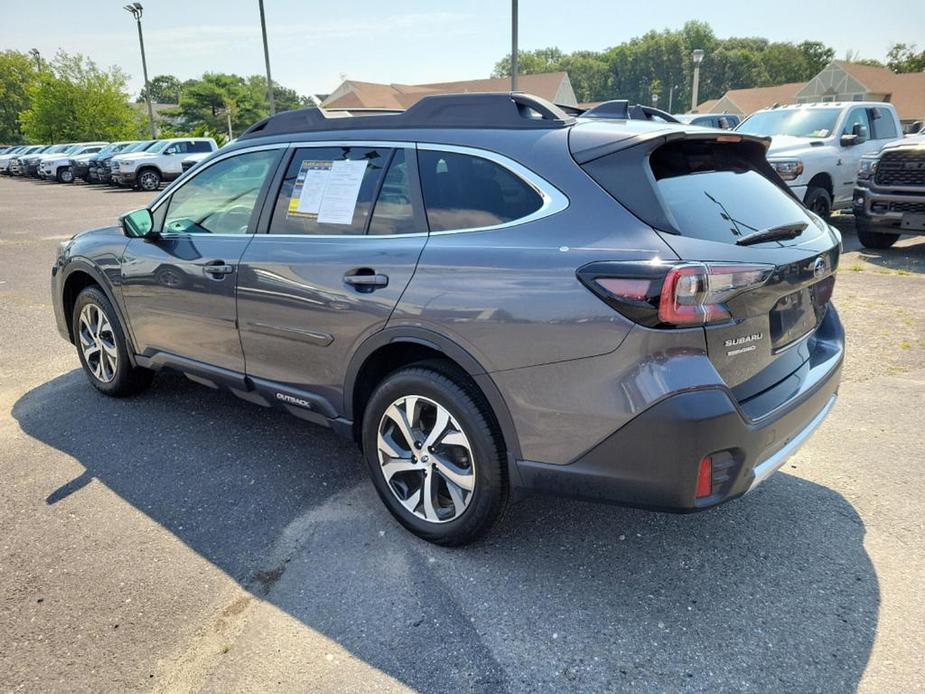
(183, 540)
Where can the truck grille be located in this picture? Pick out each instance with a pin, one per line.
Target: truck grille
(901, 168)
(918, 207)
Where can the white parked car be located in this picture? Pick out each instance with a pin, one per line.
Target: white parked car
(816, 148)
(162, 162)
(60, 167)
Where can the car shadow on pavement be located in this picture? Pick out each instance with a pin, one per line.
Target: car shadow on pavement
(771, 592)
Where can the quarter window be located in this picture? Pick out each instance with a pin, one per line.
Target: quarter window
(329, 190)
(468, 192)
(221, 198)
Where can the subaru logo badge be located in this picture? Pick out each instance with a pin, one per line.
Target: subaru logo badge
(819, 268)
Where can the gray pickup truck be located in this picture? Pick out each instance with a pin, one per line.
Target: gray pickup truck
(889, 197)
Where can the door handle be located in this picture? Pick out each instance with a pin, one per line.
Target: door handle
(218, 268)
(366, 280)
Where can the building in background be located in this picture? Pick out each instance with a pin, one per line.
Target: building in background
(352, 95)
(838, 81)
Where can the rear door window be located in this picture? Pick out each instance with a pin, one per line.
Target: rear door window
(329, 190)
(463, 191)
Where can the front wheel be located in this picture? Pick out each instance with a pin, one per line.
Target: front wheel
(65, 175)
(819, 201)
(149, 180)
(434, 454)
(870, 238)
(103, 348)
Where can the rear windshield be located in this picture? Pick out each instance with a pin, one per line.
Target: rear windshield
(714, 193)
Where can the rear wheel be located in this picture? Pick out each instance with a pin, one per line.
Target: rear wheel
(65, 175)
(434, 454)
(149, 180)
(819, 201)
(103, 348)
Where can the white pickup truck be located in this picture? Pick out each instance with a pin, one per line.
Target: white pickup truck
(162, 162)
(816, 148)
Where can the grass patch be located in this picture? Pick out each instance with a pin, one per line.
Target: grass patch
(857, 267)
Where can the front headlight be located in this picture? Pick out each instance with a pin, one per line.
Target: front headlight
(788, 169)
(867, 168)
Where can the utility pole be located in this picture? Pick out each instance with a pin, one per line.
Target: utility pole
(697, 57)
(513, 45)
(266, 59)
(136, 9)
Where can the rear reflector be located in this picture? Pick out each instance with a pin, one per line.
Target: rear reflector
(705, 478)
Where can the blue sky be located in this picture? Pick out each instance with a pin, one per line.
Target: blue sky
(313, 44)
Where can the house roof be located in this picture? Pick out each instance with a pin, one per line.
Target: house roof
(355, 94)
(707, 106)
(751, 100)
(905, 90)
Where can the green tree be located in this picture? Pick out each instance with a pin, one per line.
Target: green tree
(18, 72)
(904, 58)
(817, 55)
(165, 89)
(73, 99)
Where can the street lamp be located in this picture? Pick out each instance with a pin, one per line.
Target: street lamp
(266, 59)
(513, 45)
(136, 9)
(697, 58)
(34, 52)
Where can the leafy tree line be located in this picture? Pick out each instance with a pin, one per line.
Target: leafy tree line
(659, 63)
(70, 98)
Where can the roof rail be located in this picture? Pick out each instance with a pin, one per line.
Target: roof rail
(503, 110)
(620, 109)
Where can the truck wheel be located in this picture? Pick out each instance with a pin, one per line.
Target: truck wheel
(434, 453)
(819, 201)
(65, 175)
(149, 180)
(871, 238)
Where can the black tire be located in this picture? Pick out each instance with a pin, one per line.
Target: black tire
(65, 175)
(819, 201)
(870, 238)
(450, 388)
(126, 379)
(148, 180)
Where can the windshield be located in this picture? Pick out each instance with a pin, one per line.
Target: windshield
(803, 122)
(137, 146)
(160, 146)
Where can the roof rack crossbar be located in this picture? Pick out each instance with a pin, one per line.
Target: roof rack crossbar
(502, 110)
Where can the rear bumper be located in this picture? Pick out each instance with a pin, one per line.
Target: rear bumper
(887, 209)
(653, 460)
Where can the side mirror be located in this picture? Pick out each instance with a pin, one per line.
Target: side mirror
(138, 224)
(849, 140)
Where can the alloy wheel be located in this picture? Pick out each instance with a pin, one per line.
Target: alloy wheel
(426, 459)
(67, 175)
(98, 343)
(148, 181)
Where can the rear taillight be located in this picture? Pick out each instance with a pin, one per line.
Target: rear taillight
(659, 294)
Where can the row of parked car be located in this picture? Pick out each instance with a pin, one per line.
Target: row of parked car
(140, 164)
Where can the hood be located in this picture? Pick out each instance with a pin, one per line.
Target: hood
(133, 156)
(788, 145)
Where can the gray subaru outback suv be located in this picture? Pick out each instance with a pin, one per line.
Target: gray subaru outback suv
(490, 296)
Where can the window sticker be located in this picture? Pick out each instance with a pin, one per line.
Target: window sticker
(327, 190)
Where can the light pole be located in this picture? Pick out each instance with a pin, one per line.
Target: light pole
(513, 45)
(671, 98)
(697, 57)
(266, 59)
(34, 52)
(136, 9)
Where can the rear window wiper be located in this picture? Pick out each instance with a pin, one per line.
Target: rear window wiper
(778, 233)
